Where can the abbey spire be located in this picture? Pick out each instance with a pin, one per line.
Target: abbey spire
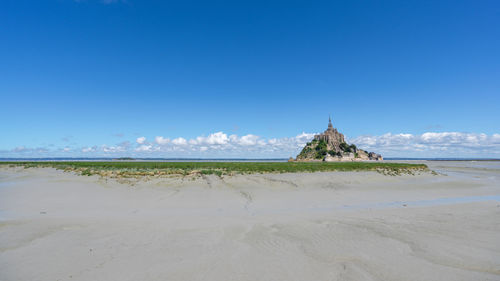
(330, 126)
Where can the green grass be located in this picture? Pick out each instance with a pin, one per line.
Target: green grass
(137, 169)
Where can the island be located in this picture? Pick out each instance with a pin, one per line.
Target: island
(330, 146)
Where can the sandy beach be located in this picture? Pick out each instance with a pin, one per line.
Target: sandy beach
(56, 225)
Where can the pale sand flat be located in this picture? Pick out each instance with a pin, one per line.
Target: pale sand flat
(321, 226)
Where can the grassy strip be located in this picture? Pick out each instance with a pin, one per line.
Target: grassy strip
(138, 169)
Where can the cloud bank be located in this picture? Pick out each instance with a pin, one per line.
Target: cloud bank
(432, 144)
(221, 145)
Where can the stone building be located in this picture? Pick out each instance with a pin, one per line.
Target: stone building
(331, 146)
(332, 137)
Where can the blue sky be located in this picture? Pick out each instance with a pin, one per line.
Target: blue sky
(78, 78)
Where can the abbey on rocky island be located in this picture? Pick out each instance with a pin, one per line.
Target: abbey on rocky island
(331, 146)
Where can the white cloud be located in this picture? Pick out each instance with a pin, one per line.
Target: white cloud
(179, 141)
(20, 149)
(218, 138)
(161, 140)
(248, 140)
(144, 148)
(23, 149)
(113, 149)
(140, 140)
(219, 144)
(122, 147)
(89, 149)
(495, 138)
(432, 144)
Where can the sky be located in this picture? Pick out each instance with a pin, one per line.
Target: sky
(248, 79)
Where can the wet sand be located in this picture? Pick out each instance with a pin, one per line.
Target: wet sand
(320, 226)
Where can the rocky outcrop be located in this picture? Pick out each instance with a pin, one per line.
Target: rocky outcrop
(362, 155)
(375, 156)
(330, 146)
(329, 158)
